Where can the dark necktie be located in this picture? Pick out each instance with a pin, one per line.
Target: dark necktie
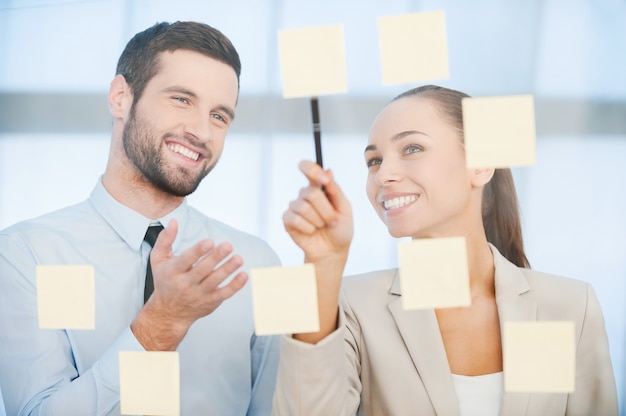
(150, 237)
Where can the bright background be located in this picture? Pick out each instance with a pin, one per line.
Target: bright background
(58, 57)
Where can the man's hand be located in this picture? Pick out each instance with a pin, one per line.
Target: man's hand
(186, 288)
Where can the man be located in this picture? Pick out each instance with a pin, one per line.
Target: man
(172, 100)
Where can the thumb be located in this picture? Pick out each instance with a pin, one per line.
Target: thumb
(163, 245)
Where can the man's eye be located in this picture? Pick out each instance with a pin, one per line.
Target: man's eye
(182, 100)
(219, 117)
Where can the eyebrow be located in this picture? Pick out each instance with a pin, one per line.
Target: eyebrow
(182, 90)
(396, 137)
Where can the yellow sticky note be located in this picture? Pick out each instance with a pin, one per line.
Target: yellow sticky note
(413, 47)
(284, 300)
(499, 131)
(312, 61)
(149, 382)
(66, 297)
(539, 357)
(434, 273)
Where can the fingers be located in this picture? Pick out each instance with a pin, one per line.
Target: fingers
(211, 271)
(336, 196)
(318, 177)
(312, 210)
(314, 173)
(186, 260)
(316, 207)
(194, 278)
(228, 290)
(313, 205)
(296, 223)
(198, 262)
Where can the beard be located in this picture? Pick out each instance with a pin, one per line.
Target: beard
(146, 155)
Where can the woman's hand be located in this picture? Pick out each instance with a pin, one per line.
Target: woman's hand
(320, 223)
(320, 220)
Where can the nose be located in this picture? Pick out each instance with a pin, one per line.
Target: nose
(198, 126)
(387, 173)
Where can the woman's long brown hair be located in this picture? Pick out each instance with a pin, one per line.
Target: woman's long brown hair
(500, 206)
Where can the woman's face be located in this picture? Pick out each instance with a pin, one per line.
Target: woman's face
(417, 180)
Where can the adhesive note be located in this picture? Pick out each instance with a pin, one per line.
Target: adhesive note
(149, 383)
(284, 300)
(539, 357)
(413, 47)
(312, 61)
(66, 297)
(434, 273)
(499, 131)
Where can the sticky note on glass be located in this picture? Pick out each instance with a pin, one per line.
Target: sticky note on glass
(284, 300)
(434, 273)
(413, 47)
(499, 131)
(539, 357)
(149, 382)
(66, 297)
(312, 61)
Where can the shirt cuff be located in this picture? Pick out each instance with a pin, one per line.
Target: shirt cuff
(107, 368)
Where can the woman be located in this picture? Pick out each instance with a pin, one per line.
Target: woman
(372, 357)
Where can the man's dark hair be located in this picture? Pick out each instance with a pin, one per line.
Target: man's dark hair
(139, 60)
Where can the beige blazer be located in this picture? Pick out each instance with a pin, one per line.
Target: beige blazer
(384, 360)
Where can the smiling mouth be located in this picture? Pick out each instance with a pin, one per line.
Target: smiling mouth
(181, 150)
(398, 202)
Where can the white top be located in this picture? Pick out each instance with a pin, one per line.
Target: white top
(479, 395)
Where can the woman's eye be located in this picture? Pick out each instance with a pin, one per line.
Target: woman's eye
(373, 162)
(413, 149)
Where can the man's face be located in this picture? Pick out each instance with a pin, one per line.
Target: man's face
(176, 130)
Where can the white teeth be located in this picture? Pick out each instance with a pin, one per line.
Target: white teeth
(183, 151)
(398, 202)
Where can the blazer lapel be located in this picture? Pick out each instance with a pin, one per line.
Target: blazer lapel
(420, 333)
(512, 306)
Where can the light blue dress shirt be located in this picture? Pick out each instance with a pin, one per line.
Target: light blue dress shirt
(225, 369)
(3, 412)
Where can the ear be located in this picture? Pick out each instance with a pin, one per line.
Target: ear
(481, 176)
(120, 97)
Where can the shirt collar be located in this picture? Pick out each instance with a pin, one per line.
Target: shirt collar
(130, 225)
